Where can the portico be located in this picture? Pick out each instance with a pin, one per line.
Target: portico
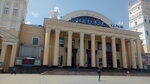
(9, 47)
(94, 34)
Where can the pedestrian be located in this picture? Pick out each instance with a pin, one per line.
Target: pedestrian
(128, 73)
(14, 70)
(99, 73)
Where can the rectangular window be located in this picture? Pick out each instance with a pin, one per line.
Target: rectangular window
(100, 61)
(35, 41)
(73, 43)
(145, 20)
(117, 47)
(6, 10)
(89, 44)
(15, 12)
(108, 47)
(61, 42)
(135, 22)
(99, 46)
(147, 33)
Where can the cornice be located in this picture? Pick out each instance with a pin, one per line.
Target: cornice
(8, 36)
(76, 26)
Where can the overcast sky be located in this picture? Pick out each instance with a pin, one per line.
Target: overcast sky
(115, 10)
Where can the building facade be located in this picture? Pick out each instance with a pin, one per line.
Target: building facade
(79, 39)
(139, 20)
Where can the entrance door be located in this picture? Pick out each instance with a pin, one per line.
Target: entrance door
(109, 55)
(60, 60)
(7, 58)
(89, 58)
(74, 52)
(109, 60)
(118, 62)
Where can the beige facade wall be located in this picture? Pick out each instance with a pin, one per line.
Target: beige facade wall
(28, 32)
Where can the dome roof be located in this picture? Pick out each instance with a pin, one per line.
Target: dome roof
(91, 15)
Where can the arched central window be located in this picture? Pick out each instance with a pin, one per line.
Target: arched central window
(89, 20)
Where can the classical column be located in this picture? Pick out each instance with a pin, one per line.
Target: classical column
(124, 56)
(114, 52)
(3, 52)
(56, 48)
(133, 54)
(81, 49)
(46, 47)
(13, 55)
(93, 61)
(69, 53)
(139, 54)
(104, 51)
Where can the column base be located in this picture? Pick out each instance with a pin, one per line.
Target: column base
(114, 68)
(67, 67)
(44, 66)
(104, 67)
(92, 67)
(133, 69)
(81, 67)
(54, 66)
(125, 68)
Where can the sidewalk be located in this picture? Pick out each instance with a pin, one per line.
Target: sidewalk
(70, 79)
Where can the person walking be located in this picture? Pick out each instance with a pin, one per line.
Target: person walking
(14, 71)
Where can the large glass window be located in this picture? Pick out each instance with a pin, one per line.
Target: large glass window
(99, 46)
(73, 43)
(117, 47)
(109, 48)
(89, 44)
(147, 33)
(35, 41)
(135, 22)
(61, 42)
(100, 61)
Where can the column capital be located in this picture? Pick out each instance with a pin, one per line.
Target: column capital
(93, 35)
(57, 30)
(103, 36)
(132, 39)
(122, 38)
(48, 30)
(81, 34)
(70, 32)
(113, 38)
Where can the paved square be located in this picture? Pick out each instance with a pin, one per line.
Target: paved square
(70, 79)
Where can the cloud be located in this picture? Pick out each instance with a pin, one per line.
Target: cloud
(34, 14)
(27, 22)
